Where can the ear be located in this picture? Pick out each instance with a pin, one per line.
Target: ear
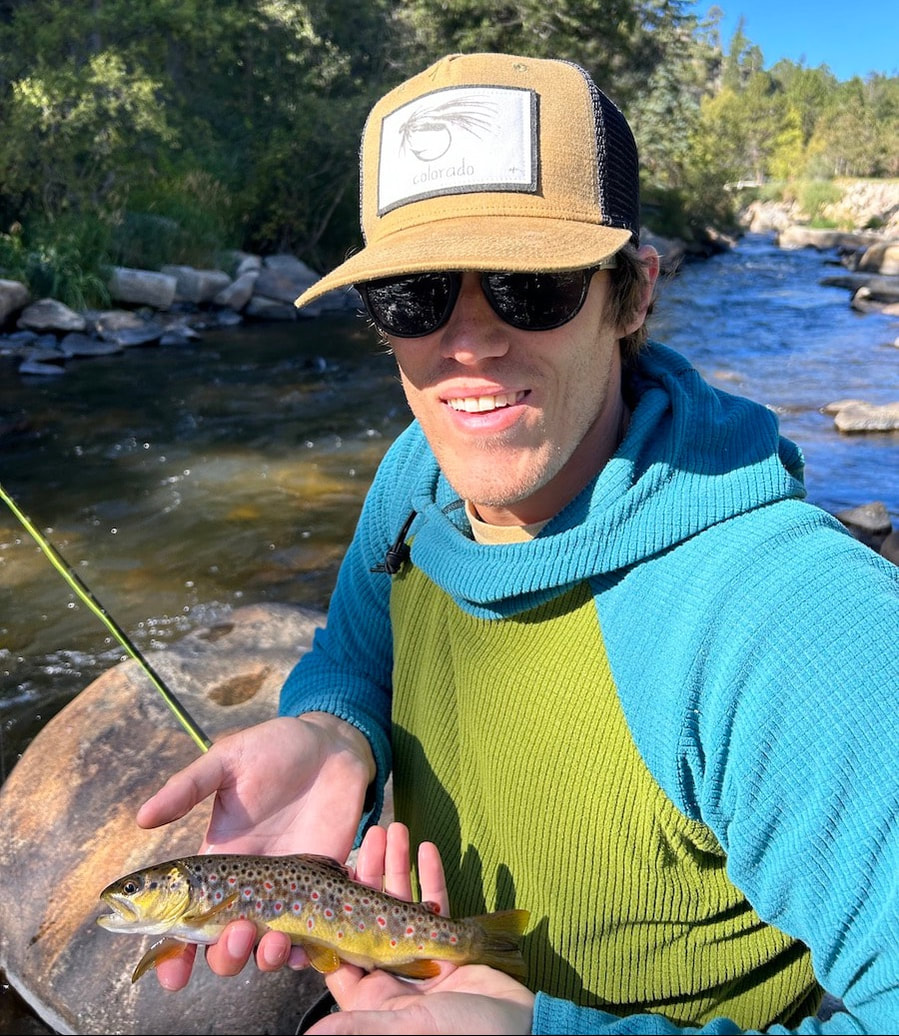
(650, 259)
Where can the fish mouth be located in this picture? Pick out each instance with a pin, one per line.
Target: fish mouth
(122, 916)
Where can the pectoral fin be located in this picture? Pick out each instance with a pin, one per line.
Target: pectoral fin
(198, 920)
(165, 949)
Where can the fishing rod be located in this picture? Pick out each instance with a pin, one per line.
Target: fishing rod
(74, 581)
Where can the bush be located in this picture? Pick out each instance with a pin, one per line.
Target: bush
(66, 259)
(814, 195)
(186, 219)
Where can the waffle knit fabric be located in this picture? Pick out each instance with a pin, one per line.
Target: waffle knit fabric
(667, 726)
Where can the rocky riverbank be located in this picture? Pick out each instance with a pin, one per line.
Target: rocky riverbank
(174, 306)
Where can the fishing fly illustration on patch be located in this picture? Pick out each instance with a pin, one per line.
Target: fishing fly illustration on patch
(428, 132)
(458, 140)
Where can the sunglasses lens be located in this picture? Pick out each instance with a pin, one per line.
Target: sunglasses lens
(419, 304)
(537, 301)
(412, 306)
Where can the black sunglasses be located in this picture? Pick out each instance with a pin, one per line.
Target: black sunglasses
(415, 305)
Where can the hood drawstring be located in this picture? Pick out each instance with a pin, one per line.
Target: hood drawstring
(398, 552)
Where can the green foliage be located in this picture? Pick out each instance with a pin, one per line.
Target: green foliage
(64, 260)
(814, 195)
(74, 135)
(183, 219)
(168, 130)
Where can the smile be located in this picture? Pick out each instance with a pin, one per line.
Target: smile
(478, 404)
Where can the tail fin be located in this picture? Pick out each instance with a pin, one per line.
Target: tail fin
(502, 940)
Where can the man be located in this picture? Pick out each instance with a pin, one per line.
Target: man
(623, 675)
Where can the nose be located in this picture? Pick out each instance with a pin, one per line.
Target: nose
(473, 332)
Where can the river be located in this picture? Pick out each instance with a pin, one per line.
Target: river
(182, 482)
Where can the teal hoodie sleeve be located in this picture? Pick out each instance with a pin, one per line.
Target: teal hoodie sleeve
(348, 670)
(772, 717)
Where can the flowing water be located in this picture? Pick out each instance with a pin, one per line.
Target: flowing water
(180, 483)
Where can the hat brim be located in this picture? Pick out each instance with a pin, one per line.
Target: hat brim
(517, 244)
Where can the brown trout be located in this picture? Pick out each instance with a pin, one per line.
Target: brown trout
(191, 899)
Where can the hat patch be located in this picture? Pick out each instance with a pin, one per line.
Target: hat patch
(458, 140)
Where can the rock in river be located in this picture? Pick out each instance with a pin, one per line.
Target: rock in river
(68, 829)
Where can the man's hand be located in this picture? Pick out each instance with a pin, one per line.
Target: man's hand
(472, 998)
(292, 784)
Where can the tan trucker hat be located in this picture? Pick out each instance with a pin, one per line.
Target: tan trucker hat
(492, 162)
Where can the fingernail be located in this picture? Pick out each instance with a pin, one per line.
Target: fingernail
(240, 941)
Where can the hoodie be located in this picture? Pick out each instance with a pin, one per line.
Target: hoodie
(666, 725)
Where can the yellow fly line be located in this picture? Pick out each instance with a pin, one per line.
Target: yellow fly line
(66, 571)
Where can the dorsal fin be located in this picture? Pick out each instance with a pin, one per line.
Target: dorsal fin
(326, 861)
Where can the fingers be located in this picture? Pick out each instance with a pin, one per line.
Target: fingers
(383, 863)
(174, 974)
(229, 955)
(182, 791)
(383, 860)
(397, 869)
(431, 878)
(274, 951)
(370, 860)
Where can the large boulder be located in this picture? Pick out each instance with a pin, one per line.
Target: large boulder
(856, 416)
(13, 296)
(68, 830)
(197, 286)
(798, 236)
(882, 257)
(142, 287)
(51, 315)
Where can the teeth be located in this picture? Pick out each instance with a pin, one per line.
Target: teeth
(477, 404)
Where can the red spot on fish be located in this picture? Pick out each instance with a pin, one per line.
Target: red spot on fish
(218, 895)
(410, 930)
(329, 912)
(279, 907)
(259, 904)
(361, 926)
(297, 907)
(433, 935)
(348, 907)
(310, 922)
(268, 885)
(453, 940)
(293, 886)
(232, 880)
(248, 893)
(393, 942)
(382, 921)
(313, 895)
(340, 935)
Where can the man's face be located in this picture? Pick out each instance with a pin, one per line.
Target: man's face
(520, 421)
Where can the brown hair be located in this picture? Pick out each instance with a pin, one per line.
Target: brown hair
(629, 282)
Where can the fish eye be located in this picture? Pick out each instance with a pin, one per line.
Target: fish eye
(130, 887)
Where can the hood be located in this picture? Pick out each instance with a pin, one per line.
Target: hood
(693, 456)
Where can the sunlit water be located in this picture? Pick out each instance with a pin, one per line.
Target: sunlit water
(183, 482)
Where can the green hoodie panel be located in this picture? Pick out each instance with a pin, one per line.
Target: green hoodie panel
(626, 894)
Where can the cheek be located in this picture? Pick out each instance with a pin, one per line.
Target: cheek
(412, 364)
